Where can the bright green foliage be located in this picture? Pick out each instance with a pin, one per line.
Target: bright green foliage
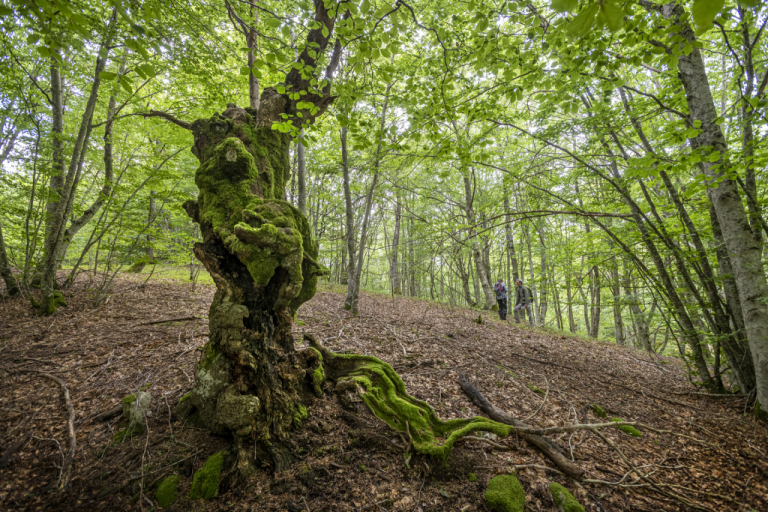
(564, 499)
(166, 491)
(628, 429)
(599, 411)
(205, 483)
(505, 494)
(385, 394)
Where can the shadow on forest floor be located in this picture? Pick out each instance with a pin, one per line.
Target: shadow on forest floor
(352, 462)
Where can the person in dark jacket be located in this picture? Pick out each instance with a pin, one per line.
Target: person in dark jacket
(524, 301)
(501, 298)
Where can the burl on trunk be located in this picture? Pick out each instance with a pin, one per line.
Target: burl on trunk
(251, 382)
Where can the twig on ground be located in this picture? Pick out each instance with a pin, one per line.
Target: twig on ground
(185, 373)
(66, 466)
(182, 319)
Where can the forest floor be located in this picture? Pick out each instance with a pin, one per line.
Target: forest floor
(355, 462)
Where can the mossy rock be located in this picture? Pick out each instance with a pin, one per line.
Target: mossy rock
(205, 483)
(599, 411)
(505, 494)
(166, 491)
(563, 499)
(628, 429)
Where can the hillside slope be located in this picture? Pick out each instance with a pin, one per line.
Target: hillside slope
(714, 458)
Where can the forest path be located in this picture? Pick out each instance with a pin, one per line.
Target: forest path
(353, 461)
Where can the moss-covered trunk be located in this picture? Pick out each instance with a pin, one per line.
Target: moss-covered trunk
(250, 381)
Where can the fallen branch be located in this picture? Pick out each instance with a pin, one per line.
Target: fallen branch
(66, 467)
(182, 319)
(167, 117)
(547, 446)
(106, 415)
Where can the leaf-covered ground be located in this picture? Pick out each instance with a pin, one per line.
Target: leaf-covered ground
(351, 461)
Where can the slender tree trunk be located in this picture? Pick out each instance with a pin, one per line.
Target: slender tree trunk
(349, 216)
(353, 288)
(477, 252)
(253, 81)
(394, 270)
(510, 241)
(616, 290)
(301, 175)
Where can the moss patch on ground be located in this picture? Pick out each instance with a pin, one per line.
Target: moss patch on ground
(628, 429)
(599, 411)
(505, 494)
(205, 483)
(564, 499)
(166, 491)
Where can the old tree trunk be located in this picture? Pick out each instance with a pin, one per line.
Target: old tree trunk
(251, 383)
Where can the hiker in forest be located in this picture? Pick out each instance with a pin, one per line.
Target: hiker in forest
(501, 298)
(524, 301)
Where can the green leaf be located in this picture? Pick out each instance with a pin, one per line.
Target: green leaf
(272, 22)
(584, 21)
(33, 38)
(148, 69)
(5, 11)
(611, 15)
(365, 7)
(705, 11)
(325, 31)
(748, 3)
(106, 75)
(281, 89)
(565, 5)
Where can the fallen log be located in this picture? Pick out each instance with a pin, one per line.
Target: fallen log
(545, 445)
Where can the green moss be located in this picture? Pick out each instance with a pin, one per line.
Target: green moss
(209, 355)
(479, 320)
(386, 396)
(301, 323)
(299, 415)
(318, 377)
(205, 483)
(319, 355)
(242, 183)
(628, 429)
(564, 499)
(599, 412)
(166, 491)
(495, 307)
(535, 389)
(184, 398)
(129, 399)
(120, 436)
(363, 469)
(472, 477)
(760, 413)
(505, 494)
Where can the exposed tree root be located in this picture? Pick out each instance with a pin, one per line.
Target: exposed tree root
(383, 391)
